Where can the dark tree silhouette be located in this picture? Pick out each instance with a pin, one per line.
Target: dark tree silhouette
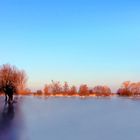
(12, 80)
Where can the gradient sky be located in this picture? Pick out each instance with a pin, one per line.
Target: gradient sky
(80, 41)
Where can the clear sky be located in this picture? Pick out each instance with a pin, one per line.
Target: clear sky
(80, 41)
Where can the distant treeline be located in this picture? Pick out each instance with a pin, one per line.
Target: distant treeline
(57, 89)
(13, 81)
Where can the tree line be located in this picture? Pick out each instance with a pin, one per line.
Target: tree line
(13, 81)
(129, 88)
(55, 88)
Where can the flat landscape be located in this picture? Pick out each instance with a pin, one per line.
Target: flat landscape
(69, 69)
(70, 118)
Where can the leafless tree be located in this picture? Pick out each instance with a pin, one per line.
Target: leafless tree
(129, 89)
(102, 90)
(56, 87)
(11, 80)
(73, 91)
(83, 90)
(65, 88)
(48, 89)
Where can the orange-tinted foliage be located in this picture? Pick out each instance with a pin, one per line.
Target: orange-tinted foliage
(11, 79)
(102, 91)
(129, 89)
(84, 90)
(55, 89)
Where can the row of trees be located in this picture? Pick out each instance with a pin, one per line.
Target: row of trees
(129, 89)
(13, 81)
(55, 88)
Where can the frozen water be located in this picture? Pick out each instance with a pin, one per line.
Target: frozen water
(53, 118)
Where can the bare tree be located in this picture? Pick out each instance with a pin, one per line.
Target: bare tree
(83, 90)
(48, 89)
(129, 89)
(56, 87)
(65, 88)
(11, 80)
(73, 91)
(102, 90)
(39, 93)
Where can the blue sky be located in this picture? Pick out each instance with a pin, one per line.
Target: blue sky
(80, 41)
